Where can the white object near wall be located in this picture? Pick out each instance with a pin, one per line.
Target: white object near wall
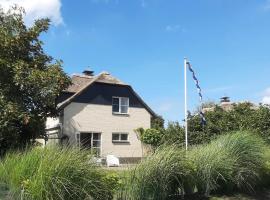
(112, 161)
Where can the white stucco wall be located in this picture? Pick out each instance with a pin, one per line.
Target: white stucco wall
(79, 117)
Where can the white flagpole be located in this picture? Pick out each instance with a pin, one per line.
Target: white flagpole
(186, 120)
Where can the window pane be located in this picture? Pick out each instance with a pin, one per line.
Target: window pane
(115, 108)
(124, 109)
(115, 136)
(96, 136)
(96, 143)
(124, 137)
(124, 101)
(115, 101)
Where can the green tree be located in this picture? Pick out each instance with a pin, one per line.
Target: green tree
(152, 137)
(30, 80)
(243, 116)
(173, 134)
(157, 122)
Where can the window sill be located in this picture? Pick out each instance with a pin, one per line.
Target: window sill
(121, 142)
(120, 114)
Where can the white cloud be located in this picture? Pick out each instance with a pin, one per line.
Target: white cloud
(266, 100)
(36, 9)
(175, 28)
(266, 96)
(105, 1)
(143, 3)
(266, 5)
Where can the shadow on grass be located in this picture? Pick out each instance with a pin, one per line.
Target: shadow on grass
(260, 195)
(4, 192)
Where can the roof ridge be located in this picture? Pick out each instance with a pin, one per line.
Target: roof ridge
(83, 76)
(105, 73)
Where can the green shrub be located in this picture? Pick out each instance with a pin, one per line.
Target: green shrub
(213, 166)
(243, 116)
(164, 174)
(247, 151)
(152, 137)
(232, 162)
(55, 173)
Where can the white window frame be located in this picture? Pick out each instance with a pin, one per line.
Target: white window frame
(79, 144)
(120, 141)
(120, 105)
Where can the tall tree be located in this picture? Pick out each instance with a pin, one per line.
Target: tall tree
(30, 80)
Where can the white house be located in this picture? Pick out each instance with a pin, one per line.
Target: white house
(101, 113)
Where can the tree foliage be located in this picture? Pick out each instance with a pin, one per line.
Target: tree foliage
(157, 122)
(242, 117)
(152, 137)
(30, 80)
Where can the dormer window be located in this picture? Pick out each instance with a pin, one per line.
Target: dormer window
(120, 105)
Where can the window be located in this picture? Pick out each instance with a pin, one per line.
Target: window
(89, 141)
(120, 137)
(120, 105)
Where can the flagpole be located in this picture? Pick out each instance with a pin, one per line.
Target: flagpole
(186, 120)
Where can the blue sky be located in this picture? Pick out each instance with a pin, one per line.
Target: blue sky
(143, 43)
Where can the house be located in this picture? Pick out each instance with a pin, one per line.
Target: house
(227, 105)
(101, 113)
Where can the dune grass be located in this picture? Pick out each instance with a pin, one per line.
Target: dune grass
(54, 173)
(233, 162)
(159, 176)
(237, 162)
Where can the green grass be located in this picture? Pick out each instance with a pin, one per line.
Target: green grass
(233, 162)
(164, 174)
(54, 173)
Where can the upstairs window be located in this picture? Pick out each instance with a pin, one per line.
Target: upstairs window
(119, 137)
(120, 105)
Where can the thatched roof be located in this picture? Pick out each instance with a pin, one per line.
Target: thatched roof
(79, 81)
(82, 82)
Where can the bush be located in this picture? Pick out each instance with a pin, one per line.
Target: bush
(233, 162)
(213, 166)
(166, 173)
(152, 137)
(55, 173)
(243, 117)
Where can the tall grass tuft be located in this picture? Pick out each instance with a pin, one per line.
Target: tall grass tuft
(54, 173)
(167, 173)
(213, 167)
(231, 162)
(247, 151)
